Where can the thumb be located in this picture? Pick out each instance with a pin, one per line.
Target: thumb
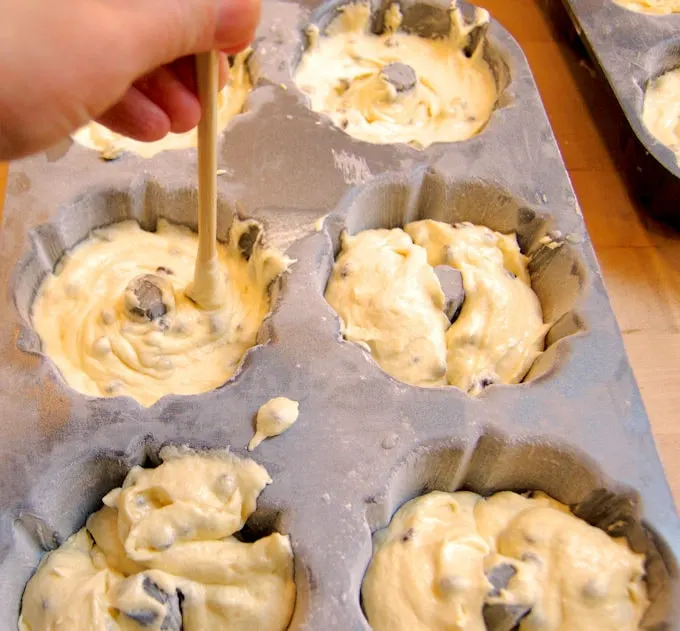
(156, 32)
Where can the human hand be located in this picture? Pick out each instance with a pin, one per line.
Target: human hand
(124, 63)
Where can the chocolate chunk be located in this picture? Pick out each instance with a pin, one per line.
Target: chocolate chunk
(148, 297)
(451, 282)
(499, 577)
(164, 270)
(476, 39)
(172, 620)
(400, 75)
(485, 382)
(248, 240)
(144, 618)
(154, 590)
(504, 617)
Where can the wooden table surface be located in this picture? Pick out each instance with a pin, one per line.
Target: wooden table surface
(640, 258)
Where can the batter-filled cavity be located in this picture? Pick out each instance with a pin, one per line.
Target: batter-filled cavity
(653, 7)
(115, 319)
(661, 110)
(398, 87)
(162, 554)
(509, 561)
(231, 101)
(437, 304)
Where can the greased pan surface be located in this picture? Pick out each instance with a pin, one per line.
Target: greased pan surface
(364, 442)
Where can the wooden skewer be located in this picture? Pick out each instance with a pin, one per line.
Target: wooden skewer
(208, 288)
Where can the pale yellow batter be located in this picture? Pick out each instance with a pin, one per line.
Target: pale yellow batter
(274, 418)
(431, 568)
(231, 101)
(449, 98)
(384, 289)
(661, 110)
(104, 345)
(161, 555)
(654, 7)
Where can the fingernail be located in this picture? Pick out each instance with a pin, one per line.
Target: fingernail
(237, 21)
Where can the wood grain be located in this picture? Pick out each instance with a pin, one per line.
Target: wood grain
(640, 259)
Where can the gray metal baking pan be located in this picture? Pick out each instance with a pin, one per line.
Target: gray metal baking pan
(629, 49)
(364, 442)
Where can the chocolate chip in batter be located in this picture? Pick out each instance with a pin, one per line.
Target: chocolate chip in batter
(144, 617)
(408, 535)
(499, 577)
(451, 282)
(164, 270)
(248, 240)
(113, 386)
(485, 382)
(148, 297)
(172, 621)
(401, 76)
(476, 39)
(504, 617)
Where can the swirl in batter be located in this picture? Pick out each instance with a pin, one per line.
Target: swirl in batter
(161, 556)
(115, 320)
(397, 87)
(448, 559)
(653, 7)
(386, 286)
(231, 101)
(661, 110)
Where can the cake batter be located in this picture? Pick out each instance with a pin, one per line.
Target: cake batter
(389, 299)
(161, 555)
(274, 418)
(654, 7)
(231, 101)
(447, 557)
(397, 87)
(116, 321)
(661, 110)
